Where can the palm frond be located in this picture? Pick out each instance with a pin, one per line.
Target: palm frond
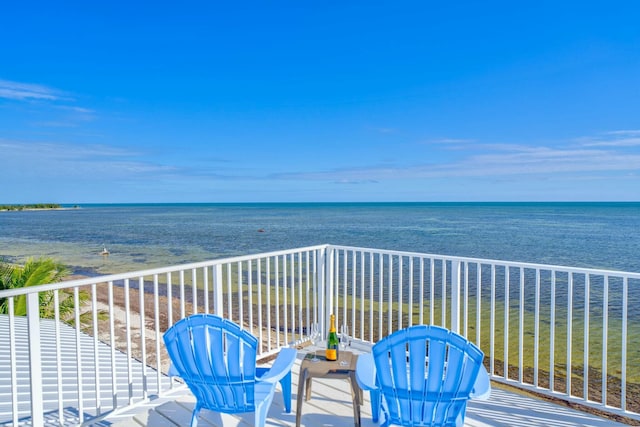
(34, 272)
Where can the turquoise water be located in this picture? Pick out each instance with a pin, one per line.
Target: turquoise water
(598, 235)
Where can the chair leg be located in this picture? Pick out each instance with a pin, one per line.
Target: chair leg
(308, 389)
(194, 416)
(375, 405)
(285, 383)
(261, 411)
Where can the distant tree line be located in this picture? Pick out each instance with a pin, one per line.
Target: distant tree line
(32, 206)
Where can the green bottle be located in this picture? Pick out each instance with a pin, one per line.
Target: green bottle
(332, 341)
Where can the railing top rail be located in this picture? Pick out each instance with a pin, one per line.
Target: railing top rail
(583, 270)
(150, 272)
(163, 270)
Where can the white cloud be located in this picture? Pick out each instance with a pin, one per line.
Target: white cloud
(76, 161)
(28, 91)
(542, 161)
(495, 160)
(619, 138)
(80, 110)
(50, 107)
(451, 141)
(625, 132)
(354, 182)
(62, 151)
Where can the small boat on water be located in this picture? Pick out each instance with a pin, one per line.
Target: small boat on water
(105, 251)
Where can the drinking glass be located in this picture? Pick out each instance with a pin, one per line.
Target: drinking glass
(314, 337)
(344, 341)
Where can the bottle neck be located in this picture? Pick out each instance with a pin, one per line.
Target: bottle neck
(332, 324)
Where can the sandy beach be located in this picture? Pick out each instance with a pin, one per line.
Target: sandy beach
(152, 328)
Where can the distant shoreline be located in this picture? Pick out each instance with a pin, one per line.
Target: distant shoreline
(35, 207)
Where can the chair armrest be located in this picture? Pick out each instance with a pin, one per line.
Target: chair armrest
(173, 372)
(482, 387)
(366, 372)
(281, 366)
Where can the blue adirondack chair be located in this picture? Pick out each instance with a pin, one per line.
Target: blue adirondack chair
(423, 376)
(217, 360)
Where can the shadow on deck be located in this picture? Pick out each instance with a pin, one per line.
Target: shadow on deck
(330, 405)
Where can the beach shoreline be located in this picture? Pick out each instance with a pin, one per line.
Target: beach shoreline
(155, 322)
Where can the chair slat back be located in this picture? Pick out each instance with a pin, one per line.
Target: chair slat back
(426, 374)
(216, 359)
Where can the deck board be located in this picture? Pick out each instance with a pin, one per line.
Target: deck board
(330, 405)
(70, 358)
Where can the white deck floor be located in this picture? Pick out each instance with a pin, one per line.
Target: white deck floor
(70, 359)
(330, 405)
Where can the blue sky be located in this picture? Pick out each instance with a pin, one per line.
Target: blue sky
(319, 101)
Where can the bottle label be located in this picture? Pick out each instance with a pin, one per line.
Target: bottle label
(331, 354)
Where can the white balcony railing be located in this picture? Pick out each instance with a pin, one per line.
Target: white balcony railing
(558, 331)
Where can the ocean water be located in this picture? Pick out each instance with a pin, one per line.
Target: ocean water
(597, 235)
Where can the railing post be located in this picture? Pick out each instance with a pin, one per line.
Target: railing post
(319, 292)
(328, 285)
(455, 296)
(35, 359)
(218, 303)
